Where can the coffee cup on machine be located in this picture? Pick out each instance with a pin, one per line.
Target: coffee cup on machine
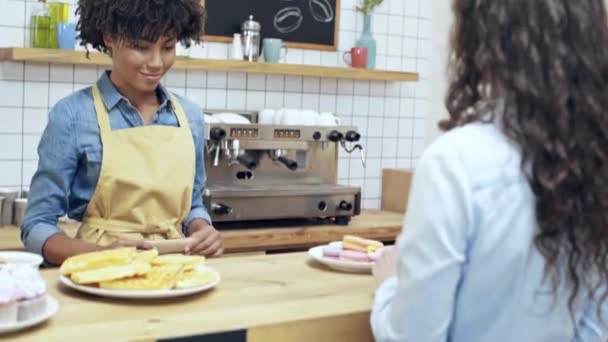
(266, 116)
(292, 117)
(310, 117)
(278, 116)
(328, 119)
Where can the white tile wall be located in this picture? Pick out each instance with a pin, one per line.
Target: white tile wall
(390, 116)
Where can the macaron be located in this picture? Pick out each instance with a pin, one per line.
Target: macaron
(354, 256)
(331, 251)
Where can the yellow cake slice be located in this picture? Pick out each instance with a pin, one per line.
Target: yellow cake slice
(158, 278)
(195, 278)
(110, 273)
(189, 261)
(146, 256)
(100, 259)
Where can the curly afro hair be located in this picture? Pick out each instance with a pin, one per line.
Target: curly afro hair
(134, 20)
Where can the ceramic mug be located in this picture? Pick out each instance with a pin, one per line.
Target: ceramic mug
(266, 116)
(272, 50)
(278, 116)
(309, 117)
(66, 36)
(357, 57)
(292, 117)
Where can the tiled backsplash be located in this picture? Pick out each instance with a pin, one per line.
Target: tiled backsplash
(390, 116)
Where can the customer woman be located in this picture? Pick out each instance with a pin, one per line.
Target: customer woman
(506, 235)
(125, 155)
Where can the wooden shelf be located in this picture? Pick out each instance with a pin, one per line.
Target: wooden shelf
(54, 56)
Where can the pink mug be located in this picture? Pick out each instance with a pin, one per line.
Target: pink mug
(358, 57)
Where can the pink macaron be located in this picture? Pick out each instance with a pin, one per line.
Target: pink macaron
(354, 256)
(331, 251)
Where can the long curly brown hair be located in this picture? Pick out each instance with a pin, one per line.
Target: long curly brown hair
(547, 61)
(134, 20)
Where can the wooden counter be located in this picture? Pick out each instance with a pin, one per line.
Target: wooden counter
(370, 224)
(280, 297)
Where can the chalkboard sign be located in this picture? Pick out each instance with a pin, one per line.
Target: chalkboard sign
(306, 24)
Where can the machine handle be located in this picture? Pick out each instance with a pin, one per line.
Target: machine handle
(221, 209)
(216, 158)
(247, 161)
(291, 164)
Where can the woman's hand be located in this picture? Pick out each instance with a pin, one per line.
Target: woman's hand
(206, 240)
(386, 266)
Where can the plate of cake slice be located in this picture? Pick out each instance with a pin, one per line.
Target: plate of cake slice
(128, 273)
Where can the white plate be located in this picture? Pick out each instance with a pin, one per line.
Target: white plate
(51, 309)
(20, 258)
(143, 294)
(338, 264)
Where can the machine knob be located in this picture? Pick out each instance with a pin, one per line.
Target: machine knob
(217, 133)
(352, 136)
(316, 135)
(335, 136)
(221, 209)
(345, 206)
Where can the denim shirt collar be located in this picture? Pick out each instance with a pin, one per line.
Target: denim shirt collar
(111, 96)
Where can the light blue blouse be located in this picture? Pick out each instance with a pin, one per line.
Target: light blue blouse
(468, 270)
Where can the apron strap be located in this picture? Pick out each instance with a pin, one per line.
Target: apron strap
(179, 112)
(103, 118)
(124, 227)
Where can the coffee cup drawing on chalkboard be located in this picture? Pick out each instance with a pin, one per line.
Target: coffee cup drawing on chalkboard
(321, 10)
(288, 19)
(305, 24)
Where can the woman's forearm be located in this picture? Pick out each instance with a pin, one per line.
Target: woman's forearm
(60, 247)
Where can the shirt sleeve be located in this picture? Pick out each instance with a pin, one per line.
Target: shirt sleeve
(418, 303)
(50, 186)
(198, 210)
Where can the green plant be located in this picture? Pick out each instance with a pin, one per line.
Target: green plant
(367, 6)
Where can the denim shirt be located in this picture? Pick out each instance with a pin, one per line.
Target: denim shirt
(467, 267)
(70, 153)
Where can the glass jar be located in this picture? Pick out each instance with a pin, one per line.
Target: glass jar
(40, 24)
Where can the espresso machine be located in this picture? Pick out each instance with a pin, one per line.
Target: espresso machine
(269, 172)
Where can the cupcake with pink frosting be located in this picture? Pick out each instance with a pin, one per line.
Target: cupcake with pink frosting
(29, 290)
(8, 303)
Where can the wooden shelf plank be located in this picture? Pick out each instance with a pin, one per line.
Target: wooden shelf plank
(55, 56)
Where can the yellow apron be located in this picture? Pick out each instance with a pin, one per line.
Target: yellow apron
(145, 183)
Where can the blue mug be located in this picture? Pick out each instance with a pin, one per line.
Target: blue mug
(272, 50)
(66, 36)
